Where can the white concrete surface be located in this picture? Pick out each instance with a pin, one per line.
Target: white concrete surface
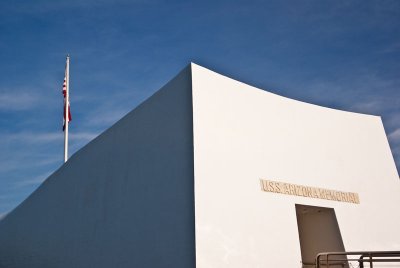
(243, 134)
(176, 183)
(124, 200)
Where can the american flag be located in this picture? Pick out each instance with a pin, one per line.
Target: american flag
(64, 91)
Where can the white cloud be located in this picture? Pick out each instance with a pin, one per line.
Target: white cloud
(362, 92)
(107, 118)
(83, 136)
(111, 110)
(370, 106)
(395, 136)
(36, 180)
(17, 101)
(45, 137)
(23, 150)
(391, 48)
(52, 6)
(24, 160)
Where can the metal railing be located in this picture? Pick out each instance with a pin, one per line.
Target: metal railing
(345, 259)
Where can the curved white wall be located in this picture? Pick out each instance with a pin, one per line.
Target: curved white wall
(243, 134)
(128, 198)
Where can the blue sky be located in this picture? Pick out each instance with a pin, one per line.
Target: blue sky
(340, 54)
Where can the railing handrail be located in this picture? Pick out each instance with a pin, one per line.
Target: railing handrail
(373, 256)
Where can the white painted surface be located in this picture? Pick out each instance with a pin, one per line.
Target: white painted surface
(124, 200)
(127, 199)
(242, 134)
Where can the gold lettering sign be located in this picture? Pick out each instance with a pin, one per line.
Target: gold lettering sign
(307, 191)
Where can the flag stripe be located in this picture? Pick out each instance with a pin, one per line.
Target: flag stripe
(64, 92)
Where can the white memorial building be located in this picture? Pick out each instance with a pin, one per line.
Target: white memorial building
(211, 172)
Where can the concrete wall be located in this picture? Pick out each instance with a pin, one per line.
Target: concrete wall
(243, 134)
(124, 200)
(127, 199)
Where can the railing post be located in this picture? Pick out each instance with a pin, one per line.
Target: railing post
(370, 261)
(361, 261)
(327, 261)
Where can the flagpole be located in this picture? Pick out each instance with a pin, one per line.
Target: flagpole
(66, 111)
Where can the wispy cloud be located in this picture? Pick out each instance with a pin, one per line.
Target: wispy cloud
(19, 161)
(24, 149)
(114, 109)
(42, 6)
(107, 118)
(24, 96)
(391, 48)
(374, 106)
(18, 101)
(84, 136)
(45, 137)
(364, 92)
(35, 180)
(395, 136)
